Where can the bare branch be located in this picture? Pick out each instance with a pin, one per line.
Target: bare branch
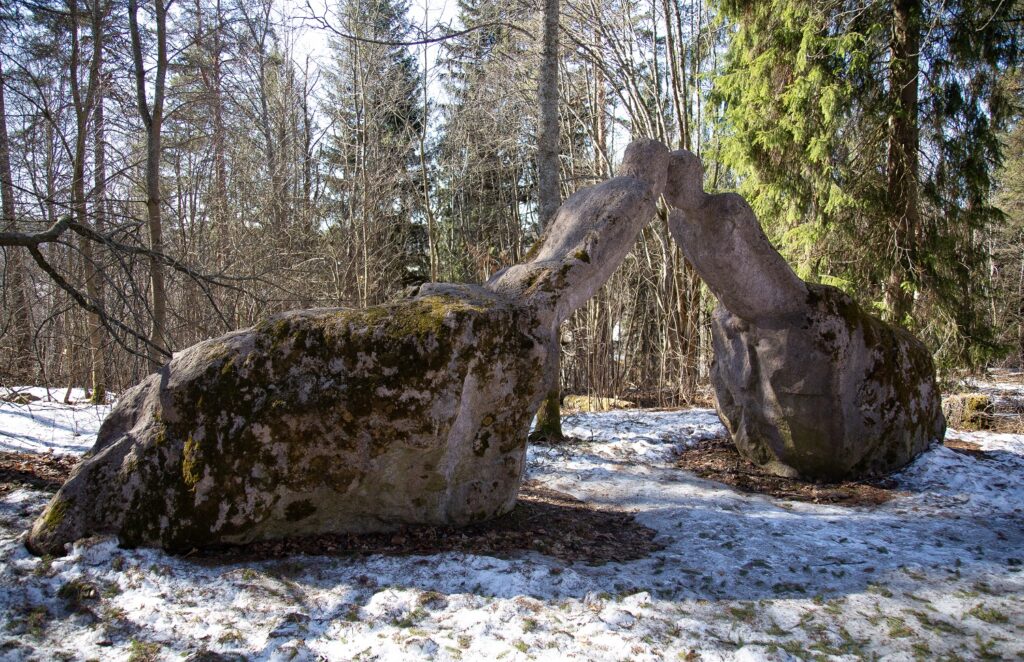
(322, 22)
(112, 325)
(31, 240)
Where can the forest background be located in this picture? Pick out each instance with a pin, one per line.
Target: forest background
(170, 171)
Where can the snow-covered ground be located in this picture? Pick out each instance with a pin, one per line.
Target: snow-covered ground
(42, 422)
(932, 574)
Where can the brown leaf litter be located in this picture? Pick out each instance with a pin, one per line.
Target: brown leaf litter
(717, 459)
(543, 520)
(42, 471)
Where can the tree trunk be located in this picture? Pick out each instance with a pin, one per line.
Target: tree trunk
(97, 355)
(15, 284)
(84, 107)
(902, 161)
(549, 191)
(152, 119)
(427, 207)
(158, 290)
(220, 193)
(549, 420)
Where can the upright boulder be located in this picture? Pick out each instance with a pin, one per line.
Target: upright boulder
(342, 421)
(808, 384)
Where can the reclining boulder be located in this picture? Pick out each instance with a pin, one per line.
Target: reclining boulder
(347, 421)
(808, 384)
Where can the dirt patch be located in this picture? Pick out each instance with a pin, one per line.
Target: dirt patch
(965, 447)
(545, 521)
(41, 471)
(717, 459)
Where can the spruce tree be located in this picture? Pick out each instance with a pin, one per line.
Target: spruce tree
(1007, 247)
(376, 115)
(864, 134)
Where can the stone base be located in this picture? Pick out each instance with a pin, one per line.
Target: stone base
(322, 421)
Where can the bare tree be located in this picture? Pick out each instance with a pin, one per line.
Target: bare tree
(84, 105)
(152, 119)
(549, 419)
(14, 279)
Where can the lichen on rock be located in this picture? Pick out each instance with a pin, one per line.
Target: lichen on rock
(321, 420)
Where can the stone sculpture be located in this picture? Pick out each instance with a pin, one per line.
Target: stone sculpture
(333, 420)
(808, 384)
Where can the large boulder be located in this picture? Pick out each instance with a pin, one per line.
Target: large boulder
(829, 394)
(808, 384)
(347, 421)
(354, 420)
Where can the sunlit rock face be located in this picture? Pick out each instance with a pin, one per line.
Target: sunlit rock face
(347, 421)
(808, 384)
(833, 393)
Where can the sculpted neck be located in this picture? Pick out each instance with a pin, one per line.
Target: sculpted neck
(721, 237)
(587, 239)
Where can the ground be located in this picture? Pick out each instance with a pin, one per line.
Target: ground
(620, 550)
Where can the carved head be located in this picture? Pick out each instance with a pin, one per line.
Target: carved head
(646, 160)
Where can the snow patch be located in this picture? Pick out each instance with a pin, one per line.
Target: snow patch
(934, 572)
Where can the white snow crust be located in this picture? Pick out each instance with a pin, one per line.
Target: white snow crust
(934, 573)
(47, 424)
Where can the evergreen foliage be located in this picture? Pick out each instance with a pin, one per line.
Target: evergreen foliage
(809, 111)
(1007, 245)
(376, 116)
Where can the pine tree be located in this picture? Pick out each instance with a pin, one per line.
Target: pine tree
(864, 135)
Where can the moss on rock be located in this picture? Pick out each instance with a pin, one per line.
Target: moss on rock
(969, 411)
(55, 514)
(190, 463)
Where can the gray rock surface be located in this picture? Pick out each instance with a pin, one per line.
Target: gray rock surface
(335, 420)
(808, 384)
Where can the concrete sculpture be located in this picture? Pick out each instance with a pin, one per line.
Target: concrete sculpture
(333, 420)
(808, 384)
